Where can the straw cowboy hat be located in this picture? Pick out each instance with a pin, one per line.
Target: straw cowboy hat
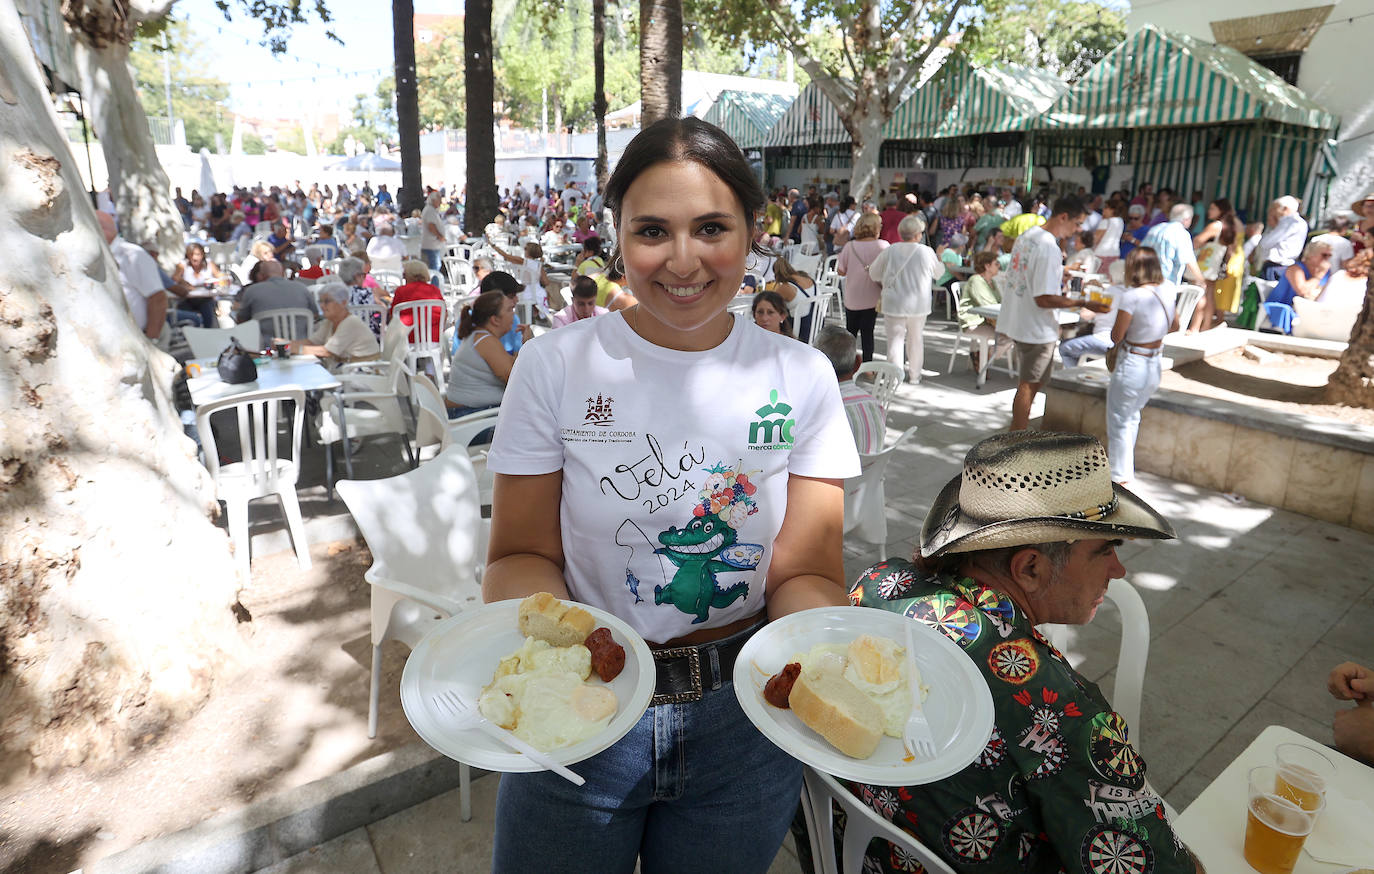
(1358, 206)
(1031, 487)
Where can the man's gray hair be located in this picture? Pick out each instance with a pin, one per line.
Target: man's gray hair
(349, 269)
(335, 291)
(1290, 203)
(839, 346)
(912, 227)
(1181, 213)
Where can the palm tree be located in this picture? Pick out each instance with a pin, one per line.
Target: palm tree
(599, 89)
(482, 201)
(1352, 383)
(660, 59)
(412, 195)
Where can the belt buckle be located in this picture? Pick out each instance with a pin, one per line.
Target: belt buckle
(693, 656)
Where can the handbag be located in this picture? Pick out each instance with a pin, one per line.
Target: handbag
(236, 365)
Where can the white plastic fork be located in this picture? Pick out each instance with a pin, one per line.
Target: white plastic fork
(916, 736)
(469, 717)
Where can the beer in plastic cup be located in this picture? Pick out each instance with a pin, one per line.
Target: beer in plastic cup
(1303, 774)
(1275, 827)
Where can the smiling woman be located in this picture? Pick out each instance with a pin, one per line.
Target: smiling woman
(679, 467)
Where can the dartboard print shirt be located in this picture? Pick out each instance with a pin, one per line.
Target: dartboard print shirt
(1058, 787)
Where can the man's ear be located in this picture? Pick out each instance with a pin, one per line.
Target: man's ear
(1030, 569)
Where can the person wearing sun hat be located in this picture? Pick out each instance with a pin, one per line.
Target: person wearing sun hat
(1027, 534)
(1363, 235)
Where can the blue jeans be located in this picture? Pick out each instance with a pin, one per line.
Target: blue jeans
(1133, 382)
(431, 257)
(1088, 344)
(692, 788)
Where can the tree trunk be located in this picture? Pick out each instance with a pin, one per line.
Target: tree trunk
(483, 201)
(115, 588)
(660, 59)
(412, 194)
(138, 184)
(599, 90)
(1353, 381)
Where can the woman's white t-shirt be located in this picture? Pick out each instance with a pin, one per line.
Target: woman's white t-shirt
(1149, 319)
(528, 274)
(1110, 244)
(675, 464)
(906, 272)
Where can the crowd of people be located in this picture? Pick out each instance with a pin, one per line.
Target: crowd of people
(579, 516)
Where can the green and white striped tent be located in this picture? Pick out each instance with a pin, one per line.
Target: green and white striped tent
(1191, 115)
(747, 116)
(962, 100)
(811, 120)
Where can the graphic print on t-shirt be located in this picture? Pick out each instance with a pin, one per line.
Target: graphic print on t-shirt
(709, 544)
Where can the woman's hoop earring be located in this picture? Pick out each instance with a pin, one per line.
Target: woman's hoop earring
(618, 264)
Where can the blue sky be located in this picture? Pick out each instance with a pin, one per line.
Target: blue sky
(315, 74)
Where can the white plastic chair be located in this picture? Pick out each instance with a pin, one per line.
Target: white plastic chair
(1131, 657)
(808, 264)
(955, 289)
(861, 826)
(431, 416)
(865, 501)
(386, 265)
(1185, 303)
(209, 342)
(820, 308)
(293, 323)
(459, 273)
(366, 311)
(887, 377)
(373, 405)
(425, 341)
(221, 254)
(262, 472)
(424, 529)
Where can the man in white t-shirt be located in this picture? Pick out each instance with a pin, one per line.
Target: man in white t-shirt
(143, 287)
(432, 232)
(385, 246)
(1031, 292)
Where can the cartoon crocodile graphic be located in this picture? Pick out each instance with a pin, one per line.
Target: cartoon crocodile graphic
(696, 550)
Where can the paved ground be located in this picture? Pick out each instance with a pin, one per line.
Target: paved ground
(1249, 609)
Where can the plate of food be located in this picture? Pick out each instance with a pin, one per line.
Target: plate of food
(566, 678)
(849, 698)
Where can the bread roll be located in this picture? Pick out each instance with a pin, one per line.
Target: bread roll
(834, 708)
(545, 617)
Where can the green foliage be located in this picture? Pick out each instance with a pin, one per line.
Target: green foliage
(439, 74)
(1065, 37)
(253, 145)
(369, 124)
(547, 45)
(278, 16)
(198, 100)
(291, 140)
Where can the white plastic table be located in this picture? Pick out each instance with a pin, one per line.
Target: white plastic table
(1213, 826)
(299, 371)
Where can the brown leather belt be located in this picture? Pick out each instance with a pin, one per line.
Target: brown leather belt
(684, 673)
(1150, 350)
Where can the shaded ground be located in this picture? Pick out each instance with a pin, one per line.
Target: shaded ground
(1293, 383)
(297, 713)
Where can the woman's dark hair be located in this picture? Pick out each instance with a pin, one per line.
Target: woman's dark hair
(593, 245)
(486, 307)
(687, 139)
(981, 260)
(502, 282)
(776, 301)
(1231, 229)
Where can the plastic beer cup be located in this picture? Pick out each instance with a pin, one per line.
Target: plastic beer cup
(1275, 827)
(1303, 774)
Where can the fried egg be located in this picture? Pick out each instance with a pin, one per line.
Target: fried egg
(877, 666)
(539, 694)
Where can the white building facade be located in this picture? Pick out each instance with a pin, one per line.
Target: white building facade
(1324, 50)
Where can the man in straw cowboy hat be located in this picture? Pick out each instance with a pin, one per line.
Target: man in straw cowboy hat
(1027, 534)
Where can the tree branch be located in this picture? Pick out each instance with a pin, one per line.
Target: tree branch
(903, 79)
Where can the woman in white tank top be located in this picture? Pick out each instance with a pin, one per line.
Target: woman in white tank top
(1145, 314)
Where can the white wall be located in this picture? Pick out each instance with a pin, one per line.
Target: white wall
(1333, 72)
